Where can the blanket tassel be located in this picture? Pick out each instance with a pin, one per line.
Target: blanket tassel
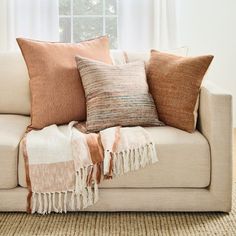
(133, 159)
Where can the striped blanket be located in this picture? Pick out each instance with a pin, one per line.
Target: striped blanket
(64, 164)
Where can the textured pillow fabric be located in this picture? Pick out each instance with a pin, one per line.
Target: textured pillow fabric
(116, 95)
(174, 83)
(57, 95)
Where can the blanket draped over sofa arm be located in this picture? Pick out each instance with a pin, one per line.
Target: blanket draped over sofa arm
(215, 123)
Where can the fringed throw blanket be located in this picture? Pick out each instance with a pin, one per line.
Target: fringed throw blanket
(64, 165)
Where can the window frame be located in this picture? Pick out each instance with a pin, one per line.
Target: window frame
(71, 16)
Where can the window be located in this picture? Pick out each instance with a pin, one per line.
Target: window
(84, 19)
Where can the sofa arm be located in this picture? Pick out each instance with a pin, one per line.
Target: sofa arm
(215, 123)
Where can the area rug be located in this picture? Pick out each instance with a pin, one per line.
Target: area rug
(130, 224)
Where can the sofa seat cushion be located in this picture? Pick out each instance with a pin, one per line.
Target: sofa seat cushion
(184, 161)
(12, 128)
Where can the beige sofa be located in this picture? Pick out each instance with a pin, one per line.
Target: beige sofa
(194, 172)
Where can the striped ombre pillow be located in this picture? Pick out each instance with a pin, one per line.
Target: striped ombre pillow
(116, 95)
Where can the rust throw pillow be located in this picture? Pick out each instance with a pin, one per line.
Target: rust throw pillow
(174, 83)
(57, 95)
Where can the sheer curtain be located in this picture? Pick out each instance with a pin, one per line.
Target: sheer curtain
(37, 19)
(165, 24)
(145, 24)
(142, 24)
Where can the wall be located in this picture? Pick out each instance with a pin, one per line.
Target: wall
(209, 26)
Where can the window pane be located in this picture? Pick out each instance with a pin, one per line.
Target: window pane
(111, 7)
(65, 32)
(87, 28)
(111, 30)
(88, 7)
(64, 7)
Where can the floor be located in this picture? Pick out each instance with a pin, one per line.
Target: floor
(120, 223)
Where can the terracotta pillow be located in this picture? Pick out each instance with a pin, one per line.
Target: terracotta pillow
(116, 95)
(174, 83)
(57, 95)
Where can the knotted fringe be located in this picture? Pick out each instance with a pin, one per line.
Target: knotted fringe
(82, 197)
(86, 184)
(133, 159)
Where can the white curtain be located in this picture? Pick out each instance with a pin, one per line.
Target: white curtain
(36, 19)
(145, 24)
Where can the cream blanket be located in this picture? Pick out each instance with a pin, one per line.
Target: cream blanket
(64, 165)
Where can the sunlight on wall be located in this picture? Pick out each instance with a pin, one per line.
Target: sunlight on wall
(208, 27)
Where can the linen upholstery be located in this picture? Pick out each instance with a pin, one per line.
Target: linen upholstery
(118, 57)
(174, 83)
(133, 199)
(216, 124)
(12, 128)
(116, 95)
(57, 96)
(184, 161)
(14, 80)
(131, 56)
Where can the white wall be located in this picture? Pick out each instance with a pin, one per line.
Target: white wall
(209, 27)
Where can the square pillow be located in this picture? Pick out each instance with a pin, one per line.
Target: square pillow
(174, 83)
(57, 95)
(116, 95)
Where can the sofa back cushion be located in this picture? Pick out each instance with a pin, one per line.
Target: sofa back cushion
(14, 78)
(14, 84)
(145, 55)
